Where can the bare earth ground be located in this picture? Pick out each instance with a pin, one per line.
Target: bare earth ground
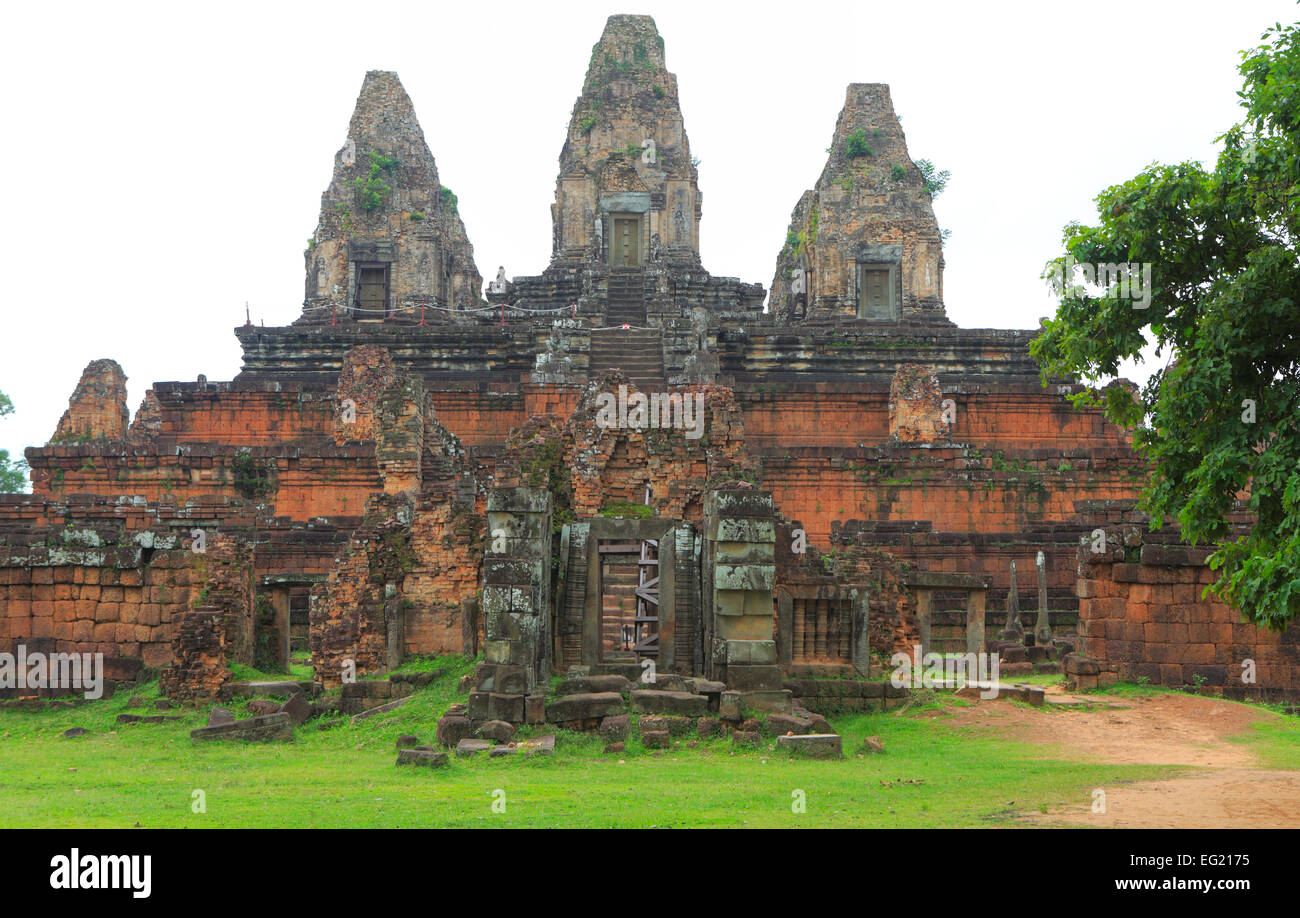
(1228, 790)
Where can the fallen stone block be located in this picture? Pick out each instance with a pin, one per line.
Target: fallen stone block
(812, 745)
(614, 728)
(872, 745)
(267, 728)
(74, 732)
(452, 728)
(674, 726)
(663, 682)
(615, 748)
(681, 703)
(259, 706)
(382, 709)
(585, 707)
(593, 685)
(298, 708)
(706, 727)
(423, 757)
(656, 739)
(781, 724)
(775, 702)
(499, 730)
(284, 688)
(468, 747)
(219, 715)
(407, 740)
(744, 738)
(146, 719)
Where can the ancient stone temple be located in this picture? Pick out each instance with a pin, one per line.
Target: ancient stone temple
(623, 459)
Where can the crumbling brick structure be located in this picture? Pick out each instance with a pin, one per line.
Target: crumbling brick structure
(1145, 616)
(353, 456)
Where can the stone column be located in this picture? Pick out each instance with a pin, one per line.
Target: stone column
(975, 621)
(739, 575)
(860, 649)
(924, 610)
(1012, 630)
(1043, 629)
(515, 607)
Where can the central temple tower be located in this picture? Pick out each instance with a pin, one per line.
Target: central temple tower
(628, 192)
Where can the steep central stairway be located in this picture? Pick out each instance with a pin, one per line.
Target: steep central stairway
(637, 351)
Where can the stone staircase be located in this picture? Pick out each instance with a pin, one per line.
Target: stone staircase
(636, 351)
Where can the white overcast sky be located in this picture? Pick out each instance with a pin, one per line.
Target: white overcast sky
(166, 161)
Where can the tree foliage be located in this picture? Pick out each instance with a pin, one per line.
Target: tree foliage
(13, 473)
(1223, 417)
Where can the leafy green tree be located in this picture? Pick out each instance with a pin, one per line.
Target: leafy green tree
(935, 180)
(1223, 416)
(13, 474)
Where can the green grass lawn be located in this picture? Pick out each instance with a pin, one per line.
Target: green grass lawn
(933, 774)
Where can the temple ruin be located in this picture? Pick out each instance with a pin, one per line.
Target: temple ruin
(787, 489)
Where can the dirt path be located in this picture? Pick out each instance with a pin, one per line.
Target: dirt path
(1164, 729)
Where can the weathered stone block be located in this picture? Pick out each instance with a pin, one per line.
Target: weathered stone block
(656, 723)
(682, 703)
(468, 747)
(778, 701)
(422, 757)
(751, 678)
(745, 652)
(656, 739)
(453, 728)
(269, 728)
(588, 706)
(614, 727)
(590, 685)
(812, 745)
(499, 730)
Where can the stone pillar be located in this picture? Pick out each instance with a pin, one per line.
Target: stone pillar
(1043, 628)
(1013, 630)
(785, 629)
(860, 649)
(975, 621)
(924, 610)
(515, 607)
(469, 626)
(739, 575)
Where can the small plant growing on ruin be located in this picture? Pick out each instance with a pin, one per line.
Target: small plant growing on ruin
(250, 479)
(372, 190)
(658, 91)
(588, 123)
(935, 179)
(856, 146)
(417, 216)
(897, 172)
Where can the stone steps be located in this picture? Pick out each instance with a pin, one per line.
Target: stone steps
(638, 354)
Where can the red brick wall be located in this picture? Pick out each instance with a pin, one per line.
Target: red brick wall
(1150, 620)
